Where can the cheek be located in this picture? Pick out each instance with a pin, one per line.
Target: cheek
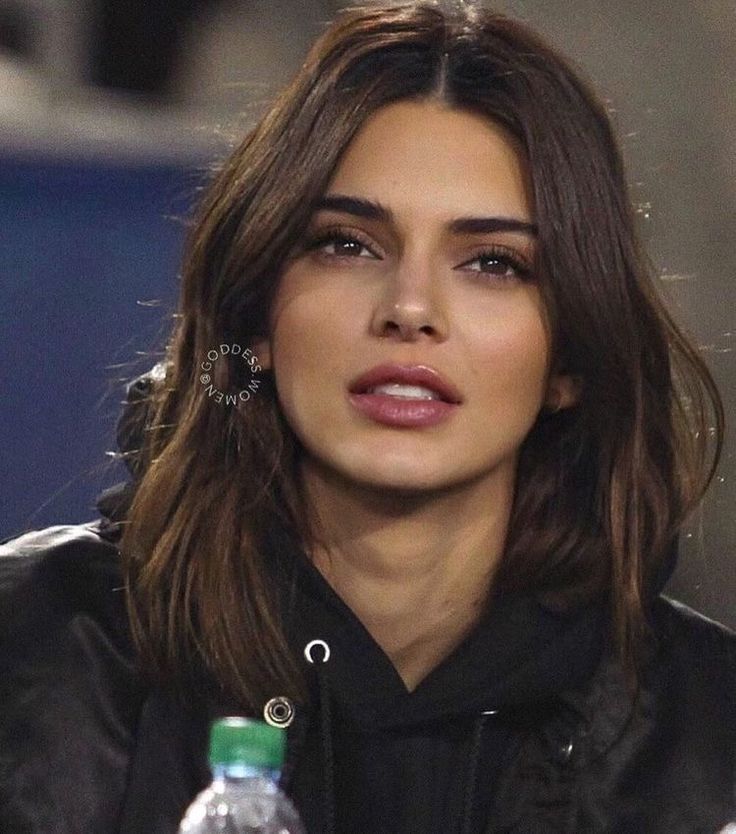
(311, 334)
(315, 320)
(511, 358)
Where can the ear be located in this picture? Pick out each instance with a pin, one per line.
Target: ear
(563, 391)
(261, 347)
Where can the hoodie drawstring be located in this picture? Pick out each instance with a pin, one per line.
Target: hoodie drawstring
(326, 730)
(470, 783)
(325, 712)
(295, 742)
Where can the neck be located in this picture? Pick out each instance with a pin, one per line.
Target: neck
(415, 568)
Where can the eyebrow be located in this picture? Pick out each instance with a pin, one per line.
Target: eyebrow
(372, 210)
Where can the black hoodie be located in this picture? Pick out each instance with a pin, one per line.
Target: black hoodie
(527, 726)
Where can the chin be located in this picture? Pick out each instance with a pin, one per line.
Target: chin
(401, 477)
(404, 483)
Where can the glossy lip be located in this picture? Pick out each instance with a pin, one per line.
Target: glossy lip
(421, 375)
(400, 412)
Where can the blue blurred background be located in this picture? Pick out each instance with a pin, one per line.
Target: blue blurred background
(111, 113)
(89, 263)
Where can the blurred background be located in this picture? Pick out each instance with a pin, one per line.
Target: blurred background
(111, 115)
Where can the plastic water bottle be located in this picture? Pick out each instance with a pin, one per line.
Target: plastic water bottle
(246, 758)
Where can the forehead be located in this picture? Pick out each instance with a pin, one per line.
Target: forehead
(426, 154)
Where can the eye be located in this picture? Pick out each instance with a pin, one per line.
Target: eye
(499, 262)
(337, 243)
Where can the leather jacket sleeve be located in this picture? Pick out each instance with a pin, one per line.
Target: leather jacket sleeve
(70, 695)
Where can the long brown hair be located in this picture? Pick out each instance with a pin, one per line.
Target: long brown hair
(602, 488)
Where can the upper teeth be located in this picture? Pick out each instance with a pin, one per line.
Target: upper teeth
(412, 392)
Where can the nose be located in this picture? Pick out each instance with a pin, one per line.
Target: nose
(410, 304)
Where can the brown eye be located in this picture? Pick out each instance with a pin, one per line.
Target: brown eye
(343, 246)
(336, 244)
(499, 263)
(492, 264)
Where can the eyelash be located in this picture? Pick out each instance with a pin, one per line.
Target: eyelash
(496, 252)
(333, 235)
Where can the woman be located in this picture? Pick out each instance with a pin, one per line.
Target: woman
(408, 482)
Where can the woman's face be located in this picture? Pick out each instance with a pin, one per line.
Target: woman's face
(405, 266)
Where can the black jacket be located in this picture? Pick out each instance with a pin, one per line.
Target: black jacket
(527, 727)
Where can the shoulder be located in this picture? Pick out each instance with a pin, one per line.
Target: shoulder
(692, 679)
(70, 689)
(688, 636)
(54, 574)
(661, 757)
(60, 545)
(685, 687)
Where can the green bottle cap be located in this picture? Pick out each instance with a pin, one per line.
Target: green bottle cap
(243, 741)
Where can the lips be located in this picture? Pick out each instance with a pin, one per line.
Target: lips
(419, 375)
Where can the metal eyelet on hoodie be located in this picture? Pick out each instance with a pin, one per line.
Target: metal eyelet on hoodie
(279, 712)
(313, 644)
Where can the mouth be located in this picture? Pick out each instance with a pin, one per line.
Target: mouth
(404, 396)
(403, 392)
(406, 382)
